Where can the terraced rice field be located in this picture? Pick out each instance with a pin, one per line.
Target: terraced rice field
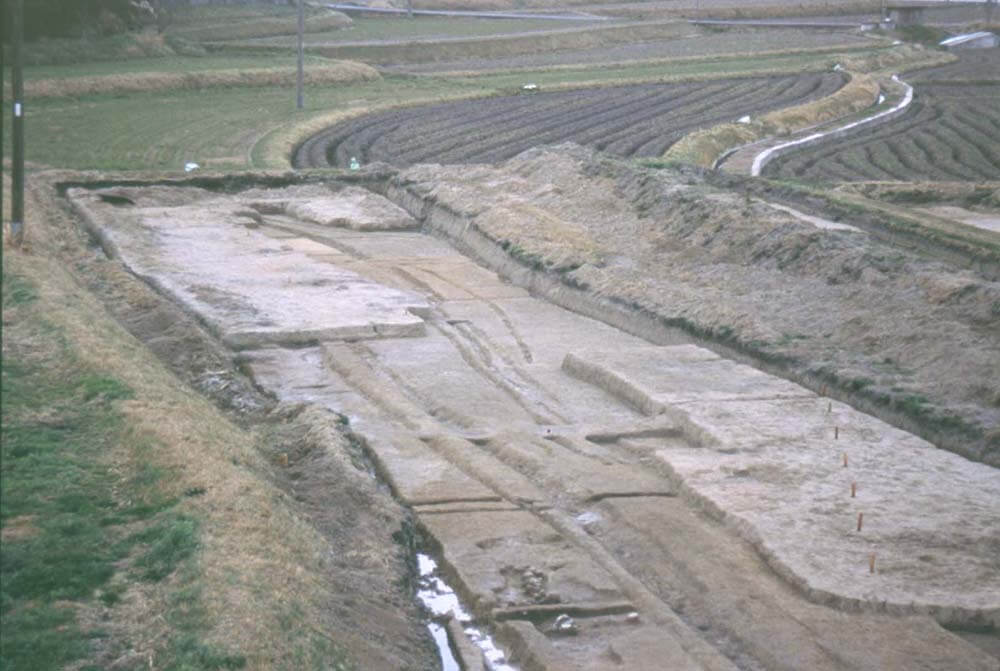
(951, 132)
(639, 120)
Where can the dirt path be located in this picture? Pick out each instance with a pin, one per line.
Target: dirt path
(560, 466)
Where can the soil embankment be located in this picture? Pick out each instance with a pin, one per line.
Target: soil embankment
(911, 339)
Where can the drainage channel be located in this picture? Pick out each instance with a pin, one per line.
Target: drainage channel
(443, 604)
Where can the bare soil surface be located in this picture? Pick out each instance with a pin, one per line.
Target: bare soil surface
(627, 121)
(561, 467)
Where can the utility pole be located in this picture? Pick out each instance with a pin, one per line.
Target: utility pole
(3, 64)
(299, 97)
(17, 186)
(409, 8)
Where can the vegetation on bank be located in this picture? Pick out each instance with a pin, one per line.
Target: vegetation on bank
(85, 515)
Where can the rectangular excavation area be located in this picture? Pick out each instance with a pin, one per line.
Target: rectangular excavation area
(506, 410)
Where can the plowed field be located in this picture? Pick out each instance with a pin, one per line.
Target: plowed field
(951, 132)
(640, 120)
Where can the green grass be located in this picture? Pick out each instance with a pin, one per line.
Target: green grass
(75, 531)
(92, 49)
(926, 35)
(170, 542)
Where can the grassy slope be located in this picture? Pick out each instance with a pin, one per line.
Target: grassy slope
(90, 524)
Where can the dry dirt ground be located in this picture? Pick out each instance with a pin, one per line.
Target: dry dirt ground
(562, 465)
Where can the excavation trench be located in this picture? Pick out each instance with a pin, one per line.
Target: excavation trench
(584, 477)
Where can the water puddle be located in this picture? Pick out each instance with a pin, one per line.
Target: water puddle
(442, 602)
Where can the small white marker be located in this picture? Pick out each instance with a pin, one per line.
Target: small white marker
(17, 109)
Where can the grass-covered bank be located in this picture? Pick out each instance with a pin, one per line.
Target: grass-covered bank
(85, 515)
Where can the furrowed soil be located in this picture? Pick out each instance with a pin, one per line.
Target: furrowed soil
(626, 121)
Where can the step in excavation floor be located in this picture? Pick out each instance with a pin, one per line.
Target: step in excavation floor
(561, 466)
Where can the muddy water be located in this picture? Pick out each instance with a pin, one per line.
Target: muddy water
(442, 602)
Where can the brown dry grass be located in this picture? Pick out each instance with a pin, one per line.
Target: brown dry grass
(897, 59)
(567, 245)
(984, 194)
(337, 72)
(497, 46)
(259, 566)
